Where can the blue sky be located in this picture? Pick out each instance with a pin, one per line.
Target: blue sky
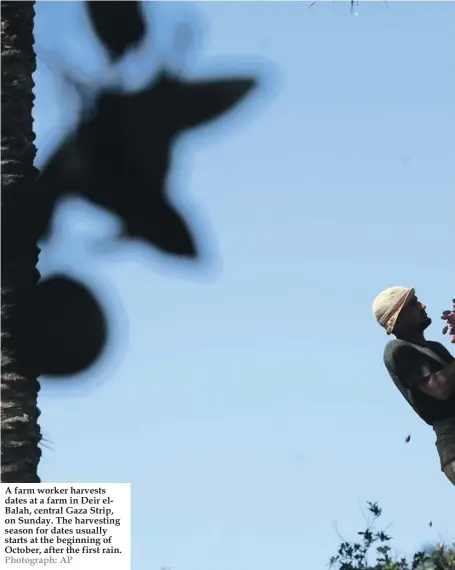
(246, 400)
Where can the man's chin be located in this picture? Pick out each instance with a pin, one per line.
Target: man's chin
(426, 323)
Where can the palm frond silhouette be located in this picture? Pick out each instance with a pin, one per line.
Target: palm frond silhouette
(120, 156)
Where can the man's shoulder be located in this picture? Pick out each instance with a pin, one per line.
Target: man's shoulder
(394, 347)
(435, 344)
(400, 350)
(440, 349)
(396, 353)
(400, 353)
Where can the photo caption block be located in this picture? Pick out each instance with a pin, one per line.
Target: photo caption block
(79, 525)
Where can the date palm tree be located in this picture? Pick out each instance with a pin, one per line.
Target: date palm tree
(20, 431)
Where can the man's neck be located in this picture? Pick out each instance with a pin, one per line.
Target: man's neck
(416, 337)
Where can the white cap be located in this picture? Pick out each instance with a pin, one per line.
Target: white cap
(388, 304)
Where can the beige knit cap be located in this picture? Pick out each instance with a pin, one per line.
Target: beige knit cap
(388, 304)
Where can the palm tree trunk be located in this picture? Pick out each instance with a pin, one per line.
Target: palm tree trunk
(20, 431)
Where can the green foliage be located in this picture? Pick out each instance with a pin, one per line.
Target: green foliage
(372, 551)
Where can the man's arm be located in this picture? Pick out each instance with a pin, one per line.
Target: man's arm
(440, 385)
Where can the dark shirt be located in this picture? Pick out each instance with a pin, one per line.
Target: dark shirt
(408, 365)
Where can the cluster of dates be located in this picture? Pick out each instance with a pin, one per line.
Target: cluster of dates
(449, 316)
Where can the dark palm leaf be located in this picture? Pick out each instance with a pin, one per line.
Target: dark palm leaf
(119, 158)
(118, 24)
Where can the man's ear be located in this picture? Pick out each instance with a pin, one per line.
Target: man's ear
(203, 101)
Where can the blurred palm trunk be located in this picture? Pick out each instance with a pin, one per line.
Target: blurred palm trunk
(20, 432)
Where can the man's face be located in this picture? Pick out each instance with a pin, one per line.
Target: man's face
(413, 317)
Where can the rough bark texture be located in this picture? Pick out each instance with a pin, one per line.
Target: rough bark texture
(20, 431)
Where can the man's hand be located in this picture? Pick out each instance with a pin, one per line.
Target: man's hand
(449, 316)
